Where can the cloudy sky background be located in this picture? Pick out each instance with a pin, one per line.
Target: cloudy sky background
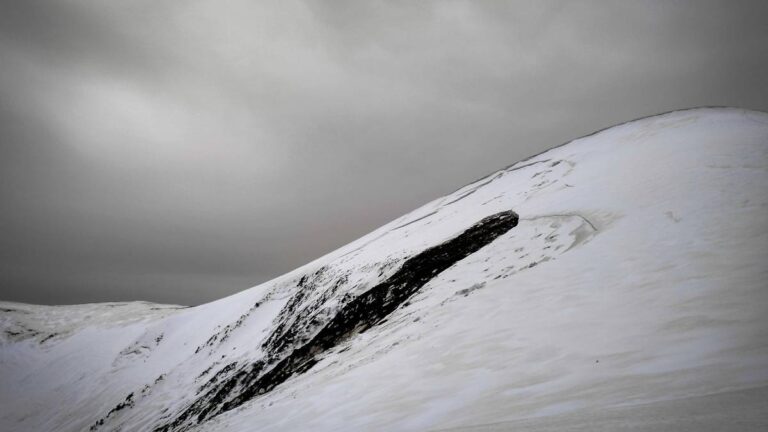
(182, 151)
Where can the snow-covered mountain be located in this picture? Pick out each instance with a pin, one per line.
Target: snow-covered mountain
(617, 282)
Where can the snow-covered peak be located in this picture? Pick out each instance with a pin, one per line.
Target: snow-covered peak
(620, 269)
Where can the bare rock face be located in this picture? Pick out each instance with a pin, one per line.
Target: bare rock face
(292, 351)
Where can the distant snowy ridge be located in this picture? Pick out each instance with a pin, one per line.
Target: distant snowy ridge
(621, 269)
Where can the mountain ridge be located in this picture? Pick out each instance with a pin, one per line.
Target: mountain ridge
(614, 286)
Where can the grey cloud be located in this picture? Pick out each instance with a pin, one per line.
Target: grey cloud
(182, 151)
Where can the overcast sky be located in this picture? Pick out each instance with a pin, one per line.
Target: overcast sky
(181, 151)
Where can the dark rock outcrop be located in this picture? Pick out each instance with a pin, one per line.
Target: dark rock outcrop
(289, 351)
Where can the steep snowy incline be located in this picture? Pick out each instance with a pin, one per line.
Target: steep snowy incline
(618, 271)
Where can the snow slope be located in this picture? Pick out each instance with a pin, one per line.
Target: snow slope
(596, 286)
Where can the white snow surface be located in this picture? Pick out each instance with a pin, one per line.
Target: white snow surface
(638, 274)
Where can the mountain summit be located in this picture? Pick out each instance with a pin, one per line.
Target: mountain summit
(616, 282)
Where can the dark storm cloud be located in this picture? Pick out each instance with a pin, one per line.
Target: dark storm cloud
(181, 151)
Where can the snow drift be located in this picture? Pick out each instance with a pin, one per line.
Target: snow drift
(600, 283)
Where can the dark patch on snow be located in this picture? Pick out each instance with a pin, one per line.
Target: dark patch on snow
(21, 332)
(298, 344)
(223, 373)
(467, 291)
(50, 336)
(208, 369)
(224, 333)
(127, 403)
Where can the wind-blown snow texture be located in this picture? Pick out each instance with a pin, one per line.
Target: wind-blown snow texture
(619, 270)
